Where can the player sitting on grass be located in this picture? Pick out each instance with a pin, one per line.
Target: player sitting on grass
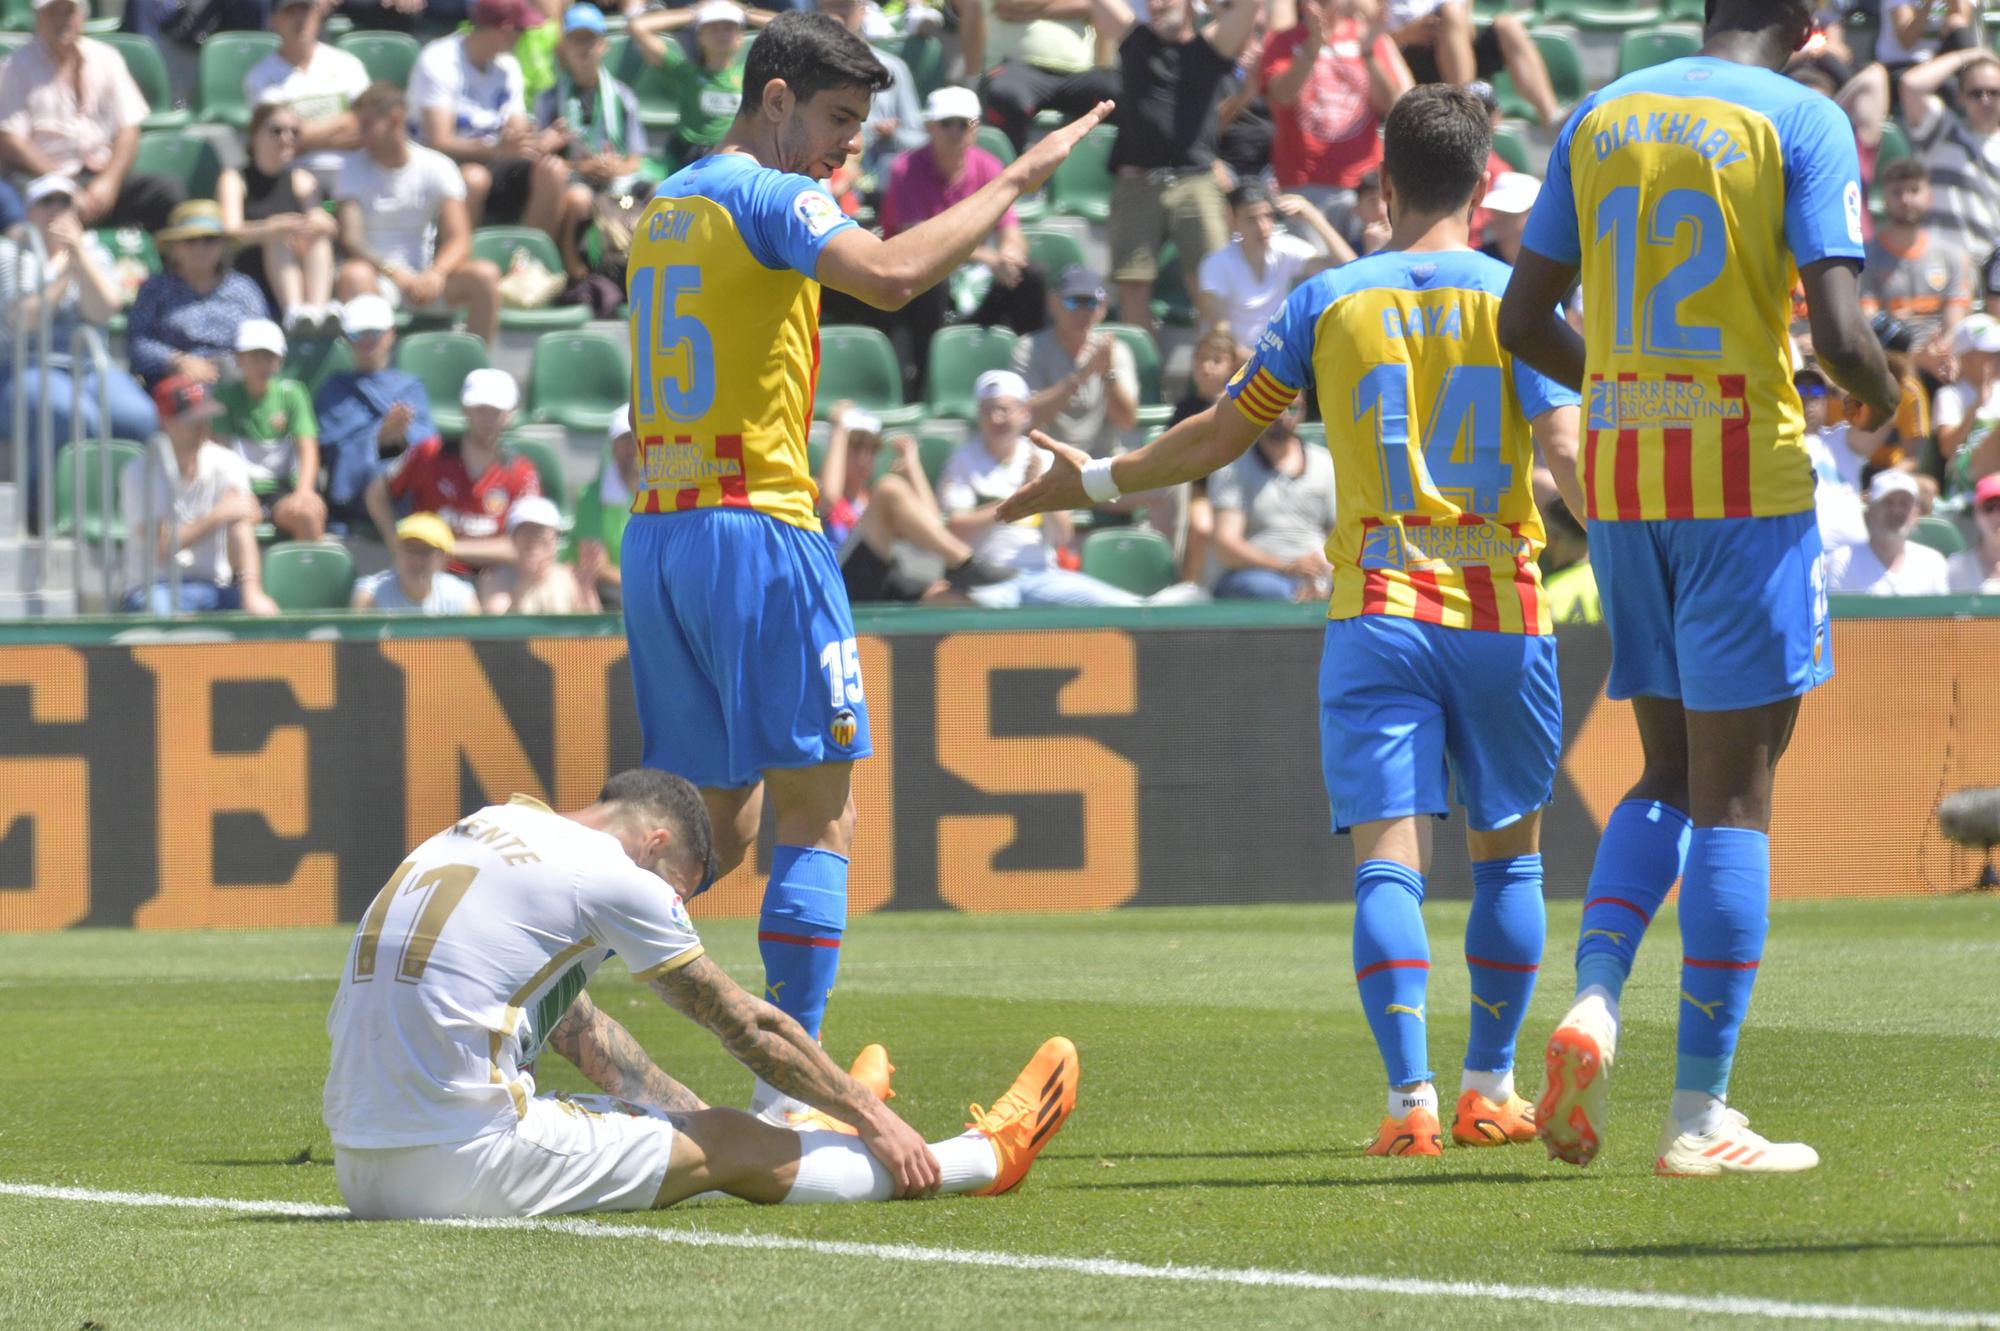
(1692, 196)
(1439, 663)
(474, 958)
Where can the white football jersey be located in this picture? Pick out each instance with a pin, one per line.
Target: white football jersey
(466, 960)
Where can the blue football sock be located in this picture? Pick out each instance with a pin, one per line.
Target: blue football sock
(1724, 906)
(1503, 951)
(1638, 859)
(805, 910)
(1392, 963)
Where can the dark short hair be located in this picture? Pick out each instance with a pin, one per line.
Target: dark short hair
(1902, 169)
(811, 52)
(379, 99)
(1247, 193)
(1755, 14)
(1435, 146)
(665, 800)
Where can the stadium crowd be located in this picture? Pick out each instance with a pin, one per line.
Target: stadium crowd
(282, 279)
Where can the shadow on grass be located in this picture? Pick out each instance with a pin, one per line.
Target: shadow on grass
(1378, 1181)
(1781, 1249)
(280, 1162)
(1301, 1153)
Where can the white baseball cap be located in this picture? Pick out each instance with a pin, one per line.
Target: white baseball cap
(44, 4)
(366, 314)
(1000, 383)
(1977, 334)
(490, 388)
(1513, 192)
(718, 11)
(41, 187)
(621, 422)
(863, 422)
(261, 335)
(1891, 482)
(952, 104)
(537, 509)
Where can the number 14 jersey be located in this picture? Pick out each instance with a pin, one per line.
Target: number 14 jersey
(1689, 194)
(1427, 420)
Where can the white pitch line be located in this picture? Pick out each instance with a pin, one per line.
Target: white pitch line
(1096, 1267)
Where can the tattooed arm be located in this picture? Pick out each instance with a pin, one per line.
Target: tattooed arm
(606, 1053)
(778, 1050)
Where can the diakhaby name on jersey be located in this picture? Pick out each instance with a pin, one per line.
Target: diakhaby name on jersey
(1672, 127)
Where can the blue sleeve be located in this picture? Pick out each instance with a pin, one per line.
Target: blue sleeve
(786, 220)
(1822, 183)
(146, 346)
(1551, 230)
(1285, 348)
(1539, 394)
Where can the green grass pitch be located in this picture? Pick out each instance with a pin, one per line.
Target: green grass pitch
(1228, 1082)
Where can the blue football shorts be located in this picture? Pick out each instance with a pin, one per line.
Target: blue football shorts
(1408, 710)
(742, 646)
(1720, 613)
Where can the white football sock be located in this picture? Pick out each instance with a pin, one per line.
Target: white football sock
(1423, 1096)
(968, 1162)
(773, 1106)
(1495, 1086)
(1697, 1112)
(1602, 995)
(834, 1167)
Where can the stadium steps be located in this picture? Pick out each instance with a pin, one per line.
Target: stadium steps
(22, 570)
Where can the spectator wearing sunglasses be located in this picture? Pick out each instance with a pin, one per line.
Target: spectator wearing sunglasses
(1978, 569)
(1831, 445)
(1960, 146)
(314, 80)
(272, 206)
(371, 412)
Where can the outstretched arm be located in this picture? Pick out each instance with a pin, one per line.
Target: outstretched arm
(612, 1060)
(1189, 451)
(1846, 346)
(1531, 329)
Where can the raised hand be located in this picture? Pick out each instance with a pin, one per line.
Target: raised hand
(1034, 167)
(1058, 488)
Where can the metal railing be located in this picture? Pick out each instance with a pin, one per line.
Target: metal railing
(42, 443)
(161, 467)
(86, 344)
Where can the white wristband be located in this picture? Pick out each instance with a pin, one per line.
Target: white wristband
(1097, 482)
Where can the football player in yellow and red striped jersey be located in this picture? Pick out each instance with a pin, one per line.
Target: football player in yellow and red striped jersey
(743, 652)
(1690, 196)
(1439, 667)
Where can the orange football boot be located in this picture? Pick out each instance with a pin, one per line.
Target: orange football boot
(1029, 1115)
(872, 1069)
(1480, 1122)
(1415, 1133)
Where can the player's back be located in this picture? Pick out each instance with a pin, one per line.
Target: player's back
(725, 338)
(1689, 194)
(1427, 418)
(468, 956)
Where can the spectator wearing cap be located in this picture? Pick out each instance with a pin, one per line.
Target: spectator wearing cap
(269, 421)
(893, 125)
(1922, 277)
(467, 482)
(1961, 147)
(80, 289)
(467, 96)
(1506, 208)
(1172, 78)
(1832, 446)
(185, 317)
(865, 511)
(1273, 513)
(1965, 411)
(368, 413)
(1888, 563)
(603, 506)
(1036, 55)
(315, 81)
(1245, 283)
(271, 205)
(1330, 80)
(1083, 381)
(418, 583)
(68, 106)
(1978, 569)
(988, 469)
(607, 143)
(206, 516)
(537, 582)
(707, 84)
(404, 223)
(1442, 44)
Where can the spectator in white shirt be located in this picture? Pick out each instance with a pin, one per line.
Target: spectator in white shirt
(1245, 282)
(418, 584)
(1836, 466)
(1978, 569)
(1274, 508)
(1888, 563)
(469, 97)
(317, 81)
(403, 221)
(1964, 412)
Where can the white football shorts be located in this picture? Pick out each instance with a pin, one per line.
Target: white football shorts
(568, 1153)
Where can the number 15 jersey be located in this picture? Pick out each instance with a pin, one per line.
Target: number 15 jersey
(1689, 194)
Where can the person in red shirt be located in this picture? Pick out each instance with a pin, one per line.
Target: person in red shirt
(467, 483)
(1329, 80)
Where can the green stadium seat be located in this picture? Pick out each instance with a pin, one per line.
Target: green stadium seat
(98, 509)
(313, 362)
(578, 379)
(1602, 15)
(387, 56)
(1081, 186)
(1171, 302)
(499, 244)
(1137, 559)
(959, 354)
(1513, 151)
(927, 61)
(994, 140)
(1052, 249)
(935, 446)
(181, 155)
(1646, 47)
(1894, 146)
(658, 110)
(1687, 11)
(441, 361)
(226, 57)
(547, 462)
(1940, 534)
(859, 364)
(149, 71)
(1562, 53)
(309, 575)
(1146, 358)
